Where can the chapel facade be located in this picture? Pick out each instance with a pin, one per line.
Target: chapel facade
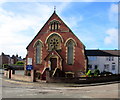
(57, 49)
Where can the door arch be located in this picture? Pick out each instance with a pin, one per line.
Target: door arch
(53, 63)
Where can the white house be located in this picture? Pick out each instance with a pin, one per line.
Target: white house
(106, 60)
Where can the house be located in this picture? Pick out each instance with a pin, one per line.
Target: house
(6, 59)
(16, 58)
(105, 60)
(56, 48)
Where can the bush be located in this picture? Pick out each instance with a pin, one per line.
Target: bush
(5, 66)
(20, 63)
(105, 73)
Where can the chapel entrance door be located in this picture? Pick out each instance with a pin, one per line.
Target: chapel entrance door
(53, 63)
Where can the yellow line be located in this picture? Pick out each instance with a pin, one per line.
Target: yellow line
(14, 81)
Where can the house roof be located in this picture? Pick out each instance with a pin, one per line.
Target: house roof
(103, 52)
(54, 14)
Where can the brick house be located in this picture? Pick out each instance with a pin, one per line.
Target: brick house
(56, 48)
(6, 59)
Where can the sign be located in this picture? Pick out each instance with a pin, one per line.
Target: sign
(29, 67)
(29, 61)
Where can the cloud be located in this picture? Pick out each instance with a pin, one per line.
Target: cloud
(112, 37)
(73, 21)
(113, 12)
(17, 29)
(12, 37)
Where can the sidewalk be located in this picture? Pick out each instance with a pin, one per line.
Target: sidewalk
(43, 83)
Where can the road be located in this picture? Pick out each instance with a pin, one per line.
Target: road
(17, 89)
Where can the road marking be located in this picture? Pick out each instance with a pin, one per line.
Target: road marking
(14, 81)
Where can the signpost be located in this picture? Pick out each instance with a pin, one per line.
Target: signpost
(29, 67)
(29, 64)
(29, 61)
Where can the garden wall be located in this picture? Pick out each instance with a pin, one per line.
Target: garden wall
(21, 77)
(82, 80)
(11, 75)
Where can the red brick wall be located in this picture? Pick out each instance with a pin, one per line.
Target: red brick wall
(79, 63)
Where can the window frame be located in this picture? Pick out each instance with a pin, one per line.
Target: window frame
(73, 51)
(38, 54)
(54, 25)
(70, 54)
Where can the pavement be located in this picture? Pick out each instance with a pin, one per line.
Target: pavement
(20, 89)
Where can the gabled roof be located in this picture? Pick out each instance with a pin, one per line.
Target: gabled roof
(53, 53)
(54, 14)
(103, 52)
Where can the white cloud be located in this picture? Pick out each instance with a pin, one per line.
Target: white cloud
(113, 12)
(15, 28)
(73, 21)
(112, 37)
(114, 8)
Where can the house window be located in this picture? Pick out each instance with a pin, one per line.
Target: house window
(113, 67)
(38, 50)
(54, 25)
(110, 58)
(107, 59)
(106, 67)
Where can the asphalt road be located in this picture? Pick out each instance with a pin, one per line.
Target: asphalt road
(17, 89)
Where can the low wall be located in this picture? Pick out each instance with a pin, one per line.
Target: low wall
(21, 77)
(5, 73)
(11, 75)
(14, 67)
(82, 80)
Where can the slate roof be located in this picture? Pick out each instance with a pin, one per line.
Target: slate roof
(103, 52)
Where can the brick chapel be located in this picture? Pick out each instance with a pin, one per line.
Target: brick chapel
(56, 48)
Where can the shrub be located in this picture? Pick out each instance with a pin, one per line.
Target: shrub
(20, 63)
(105, 73)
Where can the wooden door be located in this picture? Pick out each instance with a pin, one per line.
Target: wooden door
(53, 63)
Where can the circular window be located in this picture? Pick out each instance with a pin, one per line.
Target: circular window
(54, 43)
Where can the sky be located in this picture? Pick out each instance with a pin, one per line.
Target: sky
(94, 23)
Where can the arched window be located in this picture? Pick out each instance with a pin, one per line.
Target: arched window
(70, 51)
(54, 42)
(38, 52)
(54, 25)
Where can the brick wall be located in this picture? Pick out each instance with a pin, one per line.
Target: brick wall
(21, 77)
(82, 80)
(65, 33)
(11, 75)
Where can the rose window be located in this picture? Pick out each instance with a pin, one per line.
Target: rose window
(54, 43)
